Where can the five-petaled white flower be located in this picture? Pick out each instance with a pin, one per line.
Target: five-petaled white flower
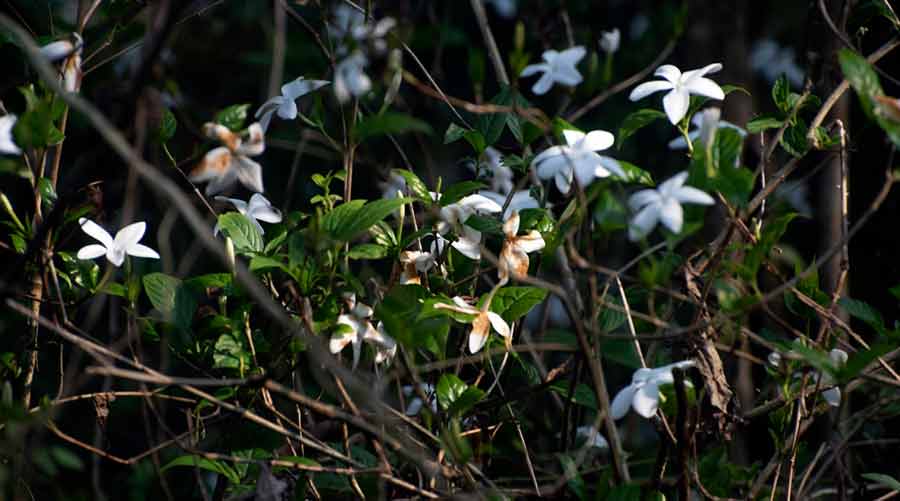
(225, 165)
(492, 166)
(258, 209)
(663, 204)
(285, 104)
(482, 322)
(360, 329)
(350, 79)
(520, 200)
(115, 249)
(514, 255)
(705, 123)
(643, 393)
(838, 358)
(453, 216)
(680, 86)
(412, 263)
(558, 67)
(7, 144)
(578, 158)
(609, 40)
(69, 52)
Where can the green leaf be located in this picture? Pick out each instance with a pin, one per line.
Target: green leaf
(485, 224)
(167, 127)
(610, 214)
(242, 232)
(864, 312)
(771, 235)
(389, 123)
(350, 219)
(454, 133)
(220, 467)
(464, 403)
(415, 185)
(862, 78)
(456, 191)
(230, 353)
(635, 174)
(491, 125)
(781, 92)
(401, 311)
(885, 480)
(794, 139)
(171, 298)
(233, 116)
(260, 263)
(763, 122)
(582, 395)
(367, 251)
(513, 303)
(636, 121)
(449, 388)
(66, 458)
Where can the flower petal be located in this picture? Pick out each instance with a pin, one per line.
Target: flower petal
(139, 250)
(249, 173)
(669, 72)
(646, 400)
(261, 209)
(622, 402)
(567, 75)
(609, 165)
(543, 84)
(264, 113)
(691, 195)
(288, 110)
(644, 197)
(533, 69)
(499, 324)
(301, 86)
(671, 215)
(709, 68)
(480, 203)
(93, 229)
(511, 225)
(598, 140)
(130, 235)
(479, 333)
(573, 137)
(572, 55)
(563, 179)
(91, 251)
(240, 205)
(530, 242)
(643, 223)
(676, 103)
(832, 396)
(645, 89)
(704, 87)
(673, 184)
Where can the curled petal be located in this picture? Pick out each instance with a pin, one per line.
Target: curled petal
(301, 86)
(249, 173)
(512, 261)
(479, 333)
(511, 225)
(130, 235)
(264, 113)
(533, 69)
(240, 205)
(645, 89)
(709, 68)
(499, 324)
(261, 209)
(530, 242)
(669, 72)
(646, 400)
(622, 402)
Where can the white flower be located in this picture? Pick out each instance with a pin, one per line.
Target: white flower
(838, 358)
(772, 61)
(705, 125)
(680, 86)
(361, 329)
(413, 263)
(663, 204)
(351, 23)
(414, 404)
(643, 393)
(285, 104)
(558, 67)
(578, 158)
(514, 255)
(482, 322)
(591, 437)
(492, 165)
(258, 209)
(225, 165)
(504, 8)
(453, 216)
(520, 200)
(7, 144)
(609, 40)
(115, 249)
(350, 79)
(69, 52)
(395, 184)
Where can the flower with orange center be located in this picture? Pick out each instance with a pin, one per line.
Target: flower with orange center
(482, 322)
(225, 165)
(514, 256)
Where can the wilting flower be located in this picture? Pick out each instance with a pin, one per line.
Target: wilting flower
(350, 79)
(69, 52)
(558, 67)
(514, 255)
(705, 123)
(663, 204)
(394, 185)
(492, 165)
(415, 404)
(838, 358)
(225, 165)
(413, 263)
(481, 323)
(454, 215)
(285, 104)
(258, 209)
(504, 8)
(520, 200)
(772, 61)
(643, 393)
(578, 158)
(115, 249)
(361, 329)
(7, 144)
(680, 86)
(609, 40)
(591, 437)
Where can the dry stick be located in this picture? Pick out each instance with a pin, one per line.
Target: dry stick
(839, 91)
(624, 84)
(681, 424)
(276, 72)
(315, 348)
(493, 52)
(637, 344)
